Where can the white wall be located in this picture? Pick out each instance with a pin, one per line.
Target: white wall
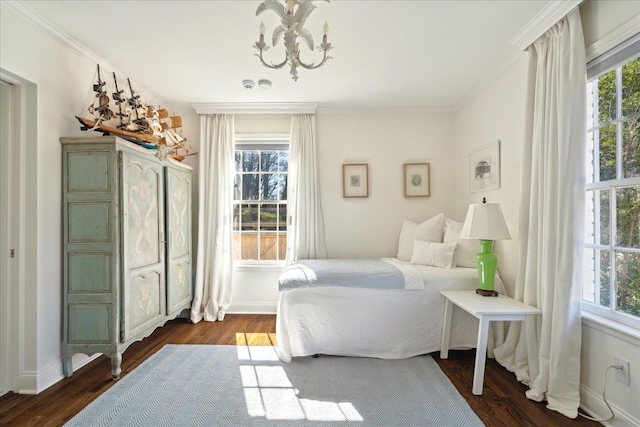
(601, 17)
(367, 227)
(497, 112)
(385, 140)
(63, 78)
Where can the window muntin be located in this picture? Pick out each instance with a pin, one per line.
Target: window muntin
(612, 239)
(260, 202)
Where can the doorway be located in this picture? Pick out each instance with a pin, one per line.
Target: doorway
(18, 234)
(7, 125)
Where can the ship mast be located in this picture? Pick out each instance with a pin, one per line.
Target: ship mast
(117, 97)
(134, 102)
(103, 111)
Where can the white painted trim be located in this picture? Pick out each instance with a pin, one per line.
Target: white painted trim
(7, 110)
(248, 307)
(553, 12)
(255, 108)
(23, 300)
(49, 375)
(591, 402)
(71, 44)
(52, 373)
(262, 137)
(617, 330)
(619, 35)
(27, 383)
(385, 110)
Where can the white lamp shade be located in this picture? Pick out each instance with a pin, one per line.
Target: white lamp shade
(485, 222)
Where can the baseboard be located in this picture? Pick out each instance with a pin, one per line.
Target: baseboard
(53, 373)
(247, 307)
(27, 383)
(591, 402)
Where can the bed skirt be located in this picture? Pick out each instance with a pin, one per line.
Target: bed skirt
(386, 324)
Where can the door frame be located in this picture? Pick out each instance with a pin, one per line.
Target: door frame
(18, 326)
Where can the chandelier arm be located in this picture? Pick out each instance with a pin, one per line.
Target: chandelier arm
(312, 66)
(272, 66)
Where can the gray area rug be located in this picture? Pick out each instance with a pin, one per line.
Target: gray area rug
(207, 385)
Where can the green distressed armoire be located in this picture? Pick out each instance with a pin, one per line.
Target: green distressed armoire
(127, 256)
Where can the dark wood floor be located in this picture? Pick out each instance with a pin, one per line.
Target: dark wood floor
(502, 403)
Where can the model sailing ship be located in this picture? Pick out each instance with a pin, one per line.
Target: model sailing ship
(134, 120)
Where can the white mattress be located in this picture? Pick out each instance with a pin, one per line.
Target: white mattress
(387, 324)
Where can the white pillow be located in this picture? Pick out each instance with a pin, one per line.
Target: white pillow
(428, 231)
(435, 254)
(466, 249)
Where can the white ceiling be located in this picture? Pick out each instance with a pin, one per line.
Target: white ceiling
(386, 53)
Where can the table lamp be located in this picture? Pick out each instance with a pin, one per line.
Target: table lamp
(485, 222)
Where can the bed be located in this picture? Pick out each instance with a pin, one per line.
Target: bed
(374, 322)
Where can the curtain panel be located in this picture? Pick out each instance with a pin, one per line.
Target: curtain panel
(305, 233)
(214, 288)
(552, 217)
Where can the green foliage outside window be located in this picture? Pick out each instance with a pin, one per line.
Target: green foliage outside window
(616, 136)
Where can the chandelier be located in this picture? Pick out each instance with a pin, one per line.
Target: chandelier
(293, 15)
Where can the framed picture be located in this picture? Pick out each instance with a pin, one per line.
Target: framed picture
(416, 180)
(484, 168)
(355, 180)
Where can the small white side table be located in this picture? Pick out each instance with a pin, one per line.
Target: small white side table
(488, 309)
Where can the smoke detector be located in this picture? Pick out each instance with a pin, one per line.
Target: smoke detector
(248, 84)
(264, 84)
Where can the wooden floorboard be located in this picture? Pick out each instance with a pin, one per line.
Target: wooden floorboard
(502, 403)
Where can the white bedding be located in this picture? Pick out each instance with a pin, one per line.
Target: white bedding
(387, 324)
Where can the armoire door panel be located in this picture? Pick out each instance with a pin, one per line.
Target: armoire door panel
(178, 213)
(142, 203)
(178, 285)
(143, 301)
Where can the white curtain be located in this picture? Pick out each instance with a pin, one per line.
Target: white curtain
(305, 234)
(552, 217)
(214, 268)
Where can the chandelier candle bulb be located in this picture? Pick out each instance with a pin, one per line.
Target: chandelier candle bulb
(262, 29)
(325, 29)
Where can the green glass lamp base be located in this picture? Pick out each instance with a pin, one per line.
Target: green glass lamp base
(487, 263)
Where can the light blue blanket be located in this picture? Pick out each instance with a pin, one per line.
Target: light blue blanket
(369, 273)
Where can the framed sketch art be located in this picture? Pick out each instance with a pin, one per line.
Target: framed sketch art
(355, 180)
(416, 180)
(484, 168)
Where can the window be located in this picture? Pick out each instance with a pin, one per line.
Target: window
(612, 238)
(260, 200)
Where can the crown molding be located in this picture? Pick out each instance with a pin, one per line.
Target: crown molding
(385, 110)
(553, 12)
(255, 108)
(619, 35)
(64, 39)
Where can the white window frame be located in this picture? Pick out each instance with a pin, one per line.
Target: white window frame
(260, 142)
(612, 60)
